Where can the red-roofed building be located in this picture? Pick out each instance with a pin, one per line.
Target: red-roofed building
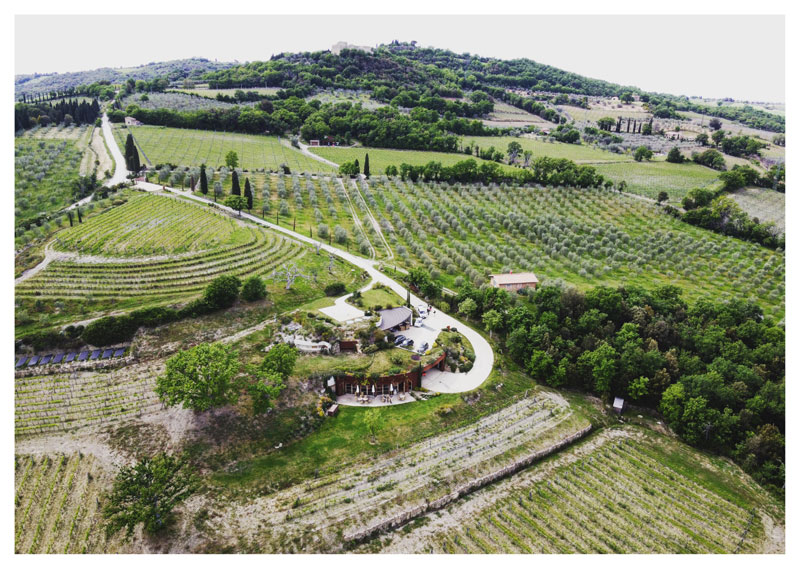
(513, 281)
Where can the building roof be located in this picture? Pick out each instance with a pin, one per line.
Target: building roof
(515, 278)
(393, 317)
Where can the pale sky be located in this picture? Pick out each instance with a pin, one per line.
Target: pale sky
(713, 56)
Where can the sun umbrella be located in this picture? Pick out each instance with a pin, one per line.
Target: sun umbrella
(373, 390)
(357, 391)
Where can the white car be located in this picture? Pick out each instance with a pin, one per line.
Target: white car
(418, 322)
(423, 310)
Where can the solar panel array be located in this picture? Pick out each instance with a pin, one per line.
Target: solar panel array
(55, 359)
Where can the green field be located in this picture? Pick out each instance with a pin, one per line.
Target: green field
(204, 91)
(147, 225)
(44, 171)
(380, 158)
(585, 237)
(766, 205)
(623, 492)
(185, 147)
(650, 178)
(166, 267)
(579, 153)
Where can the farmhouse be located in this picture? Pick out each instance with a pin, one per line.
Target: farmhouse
(130, 121)
(514, 281)
(399, 318)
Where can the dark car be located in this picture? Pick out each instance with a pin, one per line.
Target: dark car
(408, 343)
(423, 348)
(399, 339)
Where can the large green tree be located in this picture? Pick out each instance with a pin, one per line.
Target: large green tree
(200, 378)
(236, 202)
(232, 160)
(147, 493)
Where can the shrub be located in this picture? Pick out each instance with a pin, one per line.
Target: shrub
(335, 289)
(254, 289)
(109, 330)
(222, 292)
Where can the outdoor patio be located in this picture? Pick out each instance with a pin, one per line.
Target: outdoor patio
(373, 401)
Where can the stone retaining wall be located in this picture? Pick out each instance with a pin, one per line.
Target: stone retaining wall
(465, 489)
(74, 367)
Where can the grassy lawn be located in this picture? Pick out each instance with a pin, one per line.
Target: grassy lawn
(378, 296)
(575, 152)
(650, 178)
(186, 147)
(384, 362)
(345, 438)
(380, 158)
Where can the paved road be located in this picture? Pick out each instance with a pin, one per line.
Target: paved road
(120, 172)
(440, 382)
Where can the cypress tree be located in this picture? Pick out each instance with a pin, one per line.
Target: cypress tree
(366, 166)
(130, 150)
(203, 180)
(135, 159)
(248, 193)
(358, 168)
(235, 189)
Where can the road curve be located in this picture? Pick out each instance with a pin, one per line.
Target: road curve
(443, 382)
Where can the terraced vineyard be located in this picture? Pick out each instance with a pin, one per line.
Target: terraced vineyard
(586, 237)
(185, 147)
(621, 493)
(56, 505)
(61, 402)
(248, 250)
(354, 500)
(149, 225)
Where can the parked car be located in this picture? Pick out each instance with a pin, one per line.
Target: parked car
(399, 339)
(418, 322)
(423, 348)
(408, 343)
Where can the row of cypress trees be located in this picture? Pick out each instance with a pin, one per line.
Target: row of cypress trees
(235, 187)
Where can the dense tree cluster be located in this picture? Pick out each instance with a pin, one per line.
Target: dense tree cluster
(723, 215)
(67, 111)
(543, 171)
(385, 127)
(716, 371)
(709, 158)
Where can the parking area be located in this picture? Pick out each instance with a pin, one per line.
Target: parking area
(425, 334)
